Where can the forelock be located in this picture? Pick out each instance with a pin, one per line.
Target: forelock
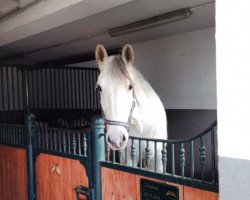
(118, 70)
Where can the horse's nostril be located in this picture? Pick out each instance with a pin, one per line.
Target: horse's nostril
(109, 140)
(123, 138)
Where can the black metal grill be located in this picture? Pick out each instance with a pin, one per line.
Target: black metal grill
(58, 96)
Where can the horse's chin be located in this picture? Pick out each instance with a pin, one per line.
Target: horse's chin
(116, 148)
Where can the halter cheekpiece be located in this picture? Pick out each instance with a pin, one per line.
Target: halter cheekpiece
(120, 123)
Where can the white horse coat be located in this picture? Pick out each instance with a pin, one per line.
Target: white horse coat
(128, 98)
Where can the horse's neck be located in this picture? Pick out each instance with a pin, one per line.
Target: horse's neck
(149, 118)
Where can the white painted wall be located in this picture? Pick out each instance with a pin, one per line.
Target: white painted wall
(233, 87)
(180, 68)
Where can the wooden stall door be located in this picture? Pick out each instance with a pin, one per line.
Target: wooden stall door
(52, 185)
(118, 185)
(13, 173)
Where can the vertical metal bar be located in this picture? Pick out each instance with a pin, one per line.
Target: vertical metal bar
(79, 144)
(39, 138)
(42, 88)
(27, 92)
(87, 92)
(46, 89)
(38, 90)
(84, 89)
(182, 159)
(18, 97)
(75, 88)
(3, 96)
(60, 140)
(74, 142)
(202, 150)
(155, 153)
(13, 94)
(79, 89)
(126, 155)
(51, 139)
(213, 154)
(59, 88)
(33, 88)
(107, 152)
(69, 142)
(192, 158)
(140, 154)
(47, 138)
(93, 89)
(172, 159)
(51, 89)
(64, 142)
(30, 157)
(55, 140)
(97, 93)
(68, 94)
(164, 157)
(84, 145)
(97, 144)
(8, 95)
(64, 88)
(133, 153)
(56, 90)
(147, 150)
(72, 89)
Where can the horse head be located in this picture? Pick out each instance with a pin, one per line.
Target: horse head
(117, 93)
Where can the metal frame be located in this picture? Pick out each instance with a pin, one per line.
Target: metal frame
(94, 159)
(169, 176)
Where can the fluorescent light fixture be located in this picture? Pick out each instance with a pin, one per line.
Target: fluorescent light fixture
(151, 22)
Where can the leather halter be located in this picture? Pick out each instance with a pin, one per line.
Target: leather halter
(120, 123)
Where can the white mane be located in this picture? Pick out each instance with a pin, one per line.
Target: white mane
(149, 117)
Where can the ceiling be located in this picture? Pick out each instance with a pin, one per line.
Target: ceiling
(47, 46)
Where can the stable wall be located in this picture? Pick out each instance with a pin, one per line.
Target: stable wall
(181, 68)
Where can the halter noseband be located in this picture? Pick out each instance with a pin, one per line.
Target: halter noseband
(120, 123)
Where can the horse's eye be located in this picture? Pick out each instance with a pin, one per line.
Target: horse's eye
(98, 88)
(130, 87)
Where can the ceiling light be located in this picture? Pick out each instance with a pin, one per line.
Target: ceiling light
(151, 22)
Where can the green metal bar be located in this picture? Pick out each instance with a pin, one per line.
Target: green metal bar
(133, 154)
(55, 141)
(213, 154)
(60, 141)
(164, 157)
(74, 143)
(155, 149)
(79, 144)
(98, 154)
(147, 151)
(140, 155)
(64, 142)
(126, 155)
(192, 158)
(85, 145)
(107, 152)
(202, 150)
(30, 124)
(182, 159)
(47, 139)
(69, 142)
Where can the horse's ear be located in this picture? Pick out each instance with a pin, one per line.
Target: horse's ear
(128, 54)
(100, 54)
